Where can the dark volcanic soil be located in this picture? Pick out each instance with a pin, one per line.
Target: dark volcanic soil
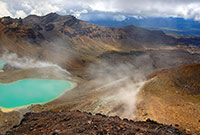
(85, 123)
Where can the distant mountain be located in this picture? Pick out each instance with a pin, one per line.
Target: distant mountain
(72, 43)
(171, 25)
(54, 35)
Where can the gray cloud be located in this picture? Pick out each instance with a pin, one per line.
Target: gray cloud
(155, 8)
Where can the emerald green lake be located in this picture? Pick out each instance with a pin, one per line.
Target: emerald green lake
(31, 91)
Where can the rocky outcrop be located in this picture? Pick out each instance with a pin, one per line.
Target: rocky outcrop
(66, 122)
(15, 30)
(49, 27)
(8, 67)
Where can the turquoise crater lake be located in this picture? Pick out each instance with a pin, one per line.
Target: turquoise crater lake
(31, 91)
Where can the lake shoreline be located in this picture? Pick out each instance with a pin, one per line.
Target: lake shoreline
(72, 86)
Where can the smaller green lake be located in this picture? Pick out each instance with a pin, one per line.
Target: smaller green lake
(31, 91)
(2, 63)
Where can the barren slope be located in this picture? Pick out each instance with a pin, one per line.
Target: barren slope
(172, 96)
(68, 123)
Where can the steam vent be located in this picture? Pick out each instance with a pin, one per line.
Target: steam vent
(100, 67)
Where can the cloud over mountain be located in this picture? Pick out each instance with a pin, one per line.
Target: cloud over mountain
(155, 8)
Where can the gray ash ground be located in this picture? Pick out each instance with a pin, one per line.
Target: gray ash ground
(76, 122)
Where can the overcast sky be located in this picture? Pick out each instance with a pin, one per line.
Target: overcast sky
(103, 9)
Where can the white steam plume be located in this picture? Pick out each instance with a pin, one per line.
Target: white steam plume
(25, 63)
(121, 83)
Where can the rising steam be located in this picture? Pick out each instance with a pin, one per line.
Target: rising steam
(25, 62)
(121, 82)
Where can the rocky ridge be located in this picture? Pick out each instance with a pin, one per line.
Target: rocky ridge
(76, 122)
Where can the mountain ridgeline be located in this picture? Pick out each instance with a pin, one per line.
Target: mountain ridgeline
(176, 25)
(70, 42)
(109, 65)
(40, 30)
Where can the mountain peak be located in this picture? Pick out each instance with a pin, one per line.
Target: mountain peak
(52, 15)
